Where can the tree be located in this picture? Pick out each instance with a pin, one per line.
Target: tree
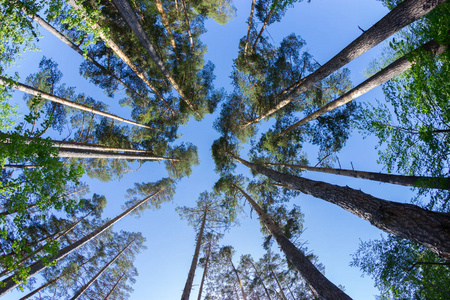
(399, 219)
(401, 16)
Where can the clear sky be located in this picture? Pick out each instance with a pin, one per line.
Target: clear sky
(332, 233)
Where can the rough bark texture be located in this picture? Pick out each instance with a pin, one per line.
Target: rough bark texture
(404, 14)
(130, 18)
(116, 49)
(99, 273)
(32, 91)
(397, 67)
(190, 279)
(69, 43)
(8, 284)
(428, 228)
(166, 23)
(316, 280)
(250, 21)
(422, 181)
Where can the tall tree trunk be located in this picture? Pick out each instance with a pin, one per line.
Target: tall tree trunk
(250, 21)
(397, 67)
(96, 147)
(191, 274)
(79, 153)
(69, 43)
(418, 181)
(40, 288)
(316, 280)
(262, 281)
(35, 92)
(116, 49)
(205, 270)
(404, 14)
(9, 283)
(186, 19)
(114, 287)
(166, 23)
(99, 273)
(238, 278)
(278, 283)
(266, 21)
(428, 228)
(130, 18)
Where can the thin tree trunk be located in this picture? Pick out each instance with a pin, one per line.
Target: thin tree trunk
(250, 21)
(93, 279)
(190, 279)
(428, 228)
(316, 280)
(404, 14)
(130, 18)
(9, 283)
(79, 153)
(32, 91)
(266, 21)
(397, 67)
(205, 270)
(116, 49)
(278, 283)
(166, 23)
(238, 280)
(262, 281)
(417, 181)
(72, 45)
(96, 147)
(290, 292)
(186, 18)
(40, 288)
(114, 287)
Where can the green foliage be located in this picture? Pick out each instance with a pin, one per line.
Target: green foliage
(403, 270)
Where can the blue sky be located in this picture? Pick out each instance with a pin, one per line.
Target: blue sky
(332, 233)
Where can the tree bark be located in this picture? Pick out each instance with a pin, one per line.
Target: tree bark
(116, 49)
(250, 21)
(39, 288)
(114, 287)
(404, 14)
(316, 280)
(417, 181)
(166, 23)
(262, 281)
(278, 283)
(69, 43)
(93, 279)
(79, 153)
(8, 284)
(397, 67)
(130, 18)
(35, 92)
(428, 228)
(190, 279)
(186, 18)
(238, 279)
(266, 21)
(205, 270)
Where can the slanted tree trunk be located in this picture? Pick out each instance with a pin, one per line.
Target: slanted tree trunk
(428, 228)
(35, 92)
(116, 49)
(80, 153)
(186, 19)
(404, 14)
(105, 267)
(316, 280)
(166, 23)
(238, 278)
(205, 270)
(397, 67)
(266, 21)
(250, 21)
(114, 287)
(9, 283)
(130, 18)
(418, 181)
(262, 281)
(96, 147)
(40, 288)
(190, 279)
(278, 283)
(69, 43)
